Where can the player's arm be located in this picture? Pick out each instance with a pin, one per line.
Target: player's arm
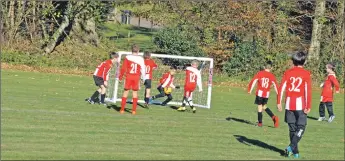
(308, 93)
(281, 91)
(172, 85)
(123, 69)
(335, 83)
(142, 70)
(154, 66)
(252, 83)
(275, 84)
(198, 81)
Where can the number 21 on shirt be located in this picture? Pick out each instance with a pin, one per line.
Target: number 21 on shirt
(133, 68)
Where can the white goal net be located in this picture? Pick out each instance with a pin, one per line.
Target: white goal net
(164, 62)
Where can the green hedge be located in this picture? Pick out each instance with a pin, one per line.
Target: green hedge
(82, 62)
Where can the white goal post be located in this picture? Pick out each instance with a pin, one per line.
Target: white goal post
(200, 99)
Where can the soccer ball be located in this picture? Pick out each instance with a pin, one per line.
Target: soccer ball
(167, 90)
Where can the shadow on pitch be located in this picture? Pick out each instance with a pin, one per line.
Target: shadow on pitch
(115, 107)
(239, 120)
(173, 107)
(244, 121)
(250, 142)
(312, 118)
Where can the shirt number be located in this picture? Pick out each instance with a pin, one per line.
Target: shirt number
(133, 68)
(295, 84)
(192, 77)
(264, 82)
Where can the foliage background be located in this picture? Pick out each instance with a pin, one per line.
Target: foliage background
(239, 35)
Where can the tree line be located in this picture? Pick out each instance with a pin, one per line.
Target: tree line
(239, 35)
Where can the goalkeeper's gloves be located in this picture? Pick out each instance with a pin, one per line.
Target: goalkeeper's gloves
(177, 87)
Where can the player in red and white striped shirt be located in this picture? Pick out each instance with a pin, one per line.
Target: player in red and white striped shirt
(166, 84)
(150, 66)
(264, 79)
(132, 68)
(327, 93)
(101, 76)
(296, 83)
(193, 79)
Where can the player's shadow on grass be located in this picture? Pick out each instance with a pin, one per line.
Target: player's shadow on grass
(173, 107)
(249, 142)
(243, 121)
(312, 118)
(239, 120)
(115, 107)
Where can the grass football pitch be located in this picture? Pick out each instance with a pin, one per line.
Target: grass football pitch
(44, 116)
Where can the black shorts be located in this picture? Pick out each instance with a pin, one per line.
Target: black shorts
(260, 100)
(147, 83)
(295, 117)
(98, 80)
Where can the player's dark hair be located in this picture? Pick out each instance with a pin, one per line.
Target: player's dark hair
(135, 48)
(331, 66)
(113, 55)
(299, 58)
(268, 64)
(147, 55)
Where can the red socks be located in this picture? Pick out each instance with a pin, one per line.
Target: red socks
(135, 102)
(123, 103)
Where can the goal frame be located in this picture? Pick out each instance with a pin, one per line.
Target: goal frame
(115, 98)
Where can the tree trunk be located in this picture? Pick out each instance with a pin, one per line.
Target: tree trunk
(34, 17)
(11, 13)
(52, 44)
(139, 21)
(341, 29)
(44, 30)
(58, 33)
(314, 49)
(2, 18)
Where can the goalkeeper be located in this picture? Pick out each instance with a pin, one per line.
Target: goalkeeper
(166, 85)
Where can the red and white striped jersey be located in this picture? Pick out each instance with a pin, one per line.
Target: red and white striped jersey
(133, 66)
(297, 84)
(264, 79)
(167, 80)
(193, 78)
(150, 66)
(327, 90)
(103, 69)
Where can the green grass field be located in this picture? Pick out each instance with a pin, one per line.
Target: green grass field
(44, 116)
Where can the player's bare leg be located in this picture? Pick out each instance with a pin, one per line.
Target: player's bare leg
(124, 101)
(260, 115)
(274, 118)
(135, 102)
